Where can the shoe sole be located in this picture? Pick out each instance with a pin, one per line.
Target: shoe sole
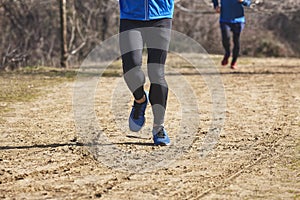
(138, 129)
(162, 144)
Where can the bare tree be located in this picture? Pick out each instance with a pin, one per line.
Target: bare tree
(63, 28)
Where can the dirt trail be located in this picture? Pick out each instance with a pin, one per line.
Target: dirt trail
(257, 155)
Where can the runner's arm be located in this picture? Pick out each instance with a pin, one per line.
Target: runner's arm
(245, 2)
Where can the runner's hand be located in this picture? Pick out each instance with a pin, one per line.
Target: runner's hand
(218, 9)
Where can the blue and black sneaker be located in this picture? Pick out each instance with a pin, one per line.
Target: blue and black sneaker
(160, 136)
(137, 115)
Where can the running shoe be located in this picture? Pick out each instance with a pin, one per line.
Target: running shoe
(160, 136)
(233, 65)
(225, 60)
(137, 115)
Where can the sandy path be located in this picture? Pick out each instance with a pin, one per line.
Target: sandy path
(257, 155)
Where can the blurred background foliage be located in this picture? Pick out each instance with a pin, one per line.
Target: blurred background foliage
(30, 29)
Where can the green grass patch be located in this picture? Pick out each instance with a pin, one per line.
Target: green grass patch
(48, 72)
(27, 84)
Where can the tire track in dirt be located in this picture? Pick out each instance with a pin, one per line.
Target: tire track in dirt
(263, 157)
(280, 132)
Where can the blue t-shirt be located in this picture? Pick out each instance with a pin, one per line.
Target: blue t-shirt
(146, 9)
(232, 11)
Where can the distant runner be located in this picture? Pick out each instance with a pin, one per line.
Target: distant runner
(231, 19)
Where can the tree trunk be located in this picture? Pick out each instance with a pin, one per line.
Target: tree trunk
(63, 28)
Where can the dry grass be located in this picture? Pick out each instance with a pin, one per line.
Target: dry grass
(26, 84)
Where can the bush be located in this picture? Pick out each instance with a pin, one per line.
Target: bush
(270, 48)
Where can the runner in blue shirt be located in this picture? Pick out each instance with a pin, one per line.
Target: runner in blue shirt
(146, 22)
(232, 19)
